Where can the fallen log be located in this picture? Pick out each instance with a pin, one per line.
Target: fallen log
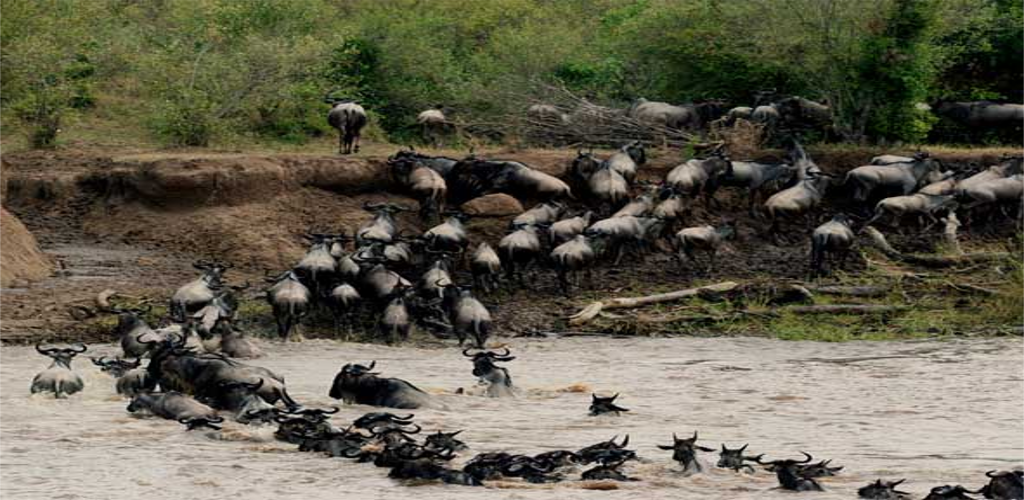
(852, 291)
(844, 309)
(879, 241)
(595, 308)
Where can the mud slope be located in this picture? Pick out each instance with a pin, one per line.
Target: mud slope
(135, 221)
(20, 257)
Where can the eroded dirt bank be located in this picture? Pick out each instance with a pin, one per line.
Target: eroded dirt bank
(134, 222)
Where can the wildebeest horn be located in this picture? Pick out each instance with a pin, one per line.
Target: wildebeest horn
(371, 206)
(807, 459)
(201, 264)
(625, 441)
(256, 385)
(83, 346)
(98, 361)
(417, 431)
(744, 447)
(372, 364)
(465, 352)
(45, 352)
(991, 474)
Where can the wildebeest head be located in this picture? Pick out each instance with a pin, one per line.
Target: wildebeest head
(787, 472)
(733, 459)
(947, 492)
(1004, 484)
(558, 458)
(636, 151)
(820, 469)
(199, 423)
(685, 451)
(378, 418)
(593, 452)
(213, 272)
(116, 367)
(599, 405)
(483, 362)
(880, 490)
(441, 441)
(62, 356)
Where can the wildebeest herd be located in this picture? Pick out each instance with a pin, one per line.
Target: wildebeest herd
(400, 279)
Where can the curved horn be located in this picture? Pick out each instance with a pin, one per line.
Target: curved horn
(372, 364)
(807, 458)
(625, 441)
(991, 474)
(417, 431)
(83, 346)
(465, 352)
(98, 361)
(507, 352)
(256, 386)
(44, 352)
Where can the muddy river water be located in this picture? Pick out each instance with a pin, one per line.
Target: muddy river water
(934, 412)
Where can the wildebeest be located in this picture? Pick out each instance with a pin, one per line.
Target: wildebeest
(395, 322)
(570, 258)
(473, 177)
(486, 267)
(496, 378)
(176, 368)
(993, 192)
(290, 300)
(602, 405)
(733, 459)
(981, 114)
(684, 451)
(114, 366)
(923, 206)
(608, 188)
(897, 178)
(832, 237)
(349, 119)
(593, 452)
(433, 123)
(130, 326)
(518, 250)
(566, 229)
(883, 490)
(192, 296)
(234, 343)
(58, 378)
(356, 384)
(627, 160)
(449, 236)
(382, 228)
(470, 317)
(699, 176)
(343, 301)
(318, 267)
(614, 235)
(760, 179)
(786, 471)
(425, 184)
(800, 198)
(801, 113)
(706, 238)
(663, 114)
(947, 492)
(540, 215)
(1004, 485)
(547, 114)
(174, 405)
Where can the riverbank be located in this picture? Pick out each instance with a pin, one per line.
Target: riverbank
(133, 220)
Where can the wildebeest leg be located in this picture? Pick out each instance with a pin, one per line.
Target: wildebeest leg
(341, 141)
(711, 261)
(563, 281)
(619, 250)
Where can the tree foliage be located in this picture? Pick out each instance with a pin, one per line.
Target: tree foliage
(196, 70)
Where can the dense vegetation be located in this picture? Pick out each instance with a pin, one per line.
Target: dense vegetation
(194, 71)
